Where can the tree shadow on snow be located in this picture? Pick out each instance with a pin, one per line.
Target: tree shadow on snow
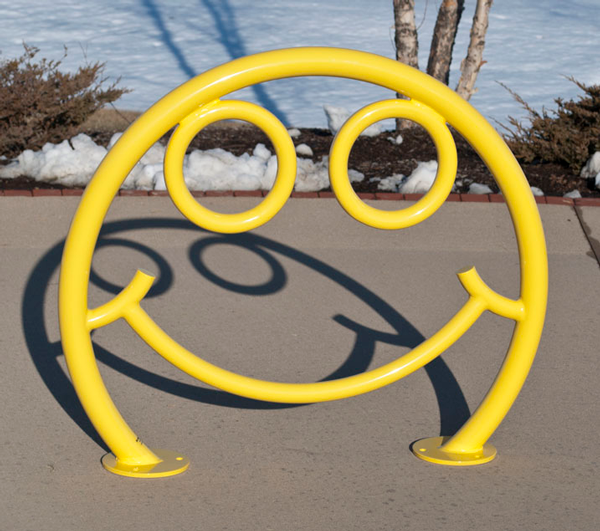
(227, 33)
(229, 36)
(167, 38)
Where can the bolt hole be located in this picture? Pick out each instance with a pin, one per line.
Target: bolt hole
(422, 449)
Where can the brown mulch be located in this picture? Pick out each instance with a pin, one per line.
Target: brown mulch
(372, 156)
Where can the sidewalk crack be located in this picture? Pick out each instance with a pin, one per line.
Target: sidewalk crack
(593, 242)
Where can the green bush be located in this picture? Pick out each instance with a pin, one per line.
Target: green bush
(568, 136)
(40, 104)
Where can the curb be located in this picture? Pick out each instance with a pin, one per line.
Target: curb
(378, 196)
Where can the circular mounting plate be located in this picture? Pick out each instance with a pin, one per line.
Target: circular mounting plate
(430, 450)
(172, 463)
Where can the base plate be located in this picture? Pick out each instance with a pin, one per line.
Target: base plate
(172, 463)
(430, 450)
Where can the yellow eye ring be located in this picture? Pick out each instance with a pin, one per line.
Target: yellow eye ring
(228, 110)
(196, 104)
(433, 123)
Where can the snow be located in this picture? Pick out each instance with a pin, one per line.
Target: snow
(421, 179)
(337, 116)
(390, 184)
(575, 194)
(304, 149)
(476, 188)
(155, 45)
(70, 163)
(217, 169)
(592, 167)
(73, 164)
(536, 191)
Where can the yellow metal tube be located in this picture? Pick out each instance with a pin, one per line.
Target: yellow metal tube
(476, 287)
(286, 167)
(303, 393)
(198, 103)
(433, 123)
(115, 309)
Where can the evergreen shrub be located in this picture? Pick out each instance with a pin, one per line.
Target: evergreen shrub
(569, 135)
(39, 103)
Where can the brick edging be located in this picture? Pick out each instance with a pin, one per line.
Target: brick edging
(380, 196)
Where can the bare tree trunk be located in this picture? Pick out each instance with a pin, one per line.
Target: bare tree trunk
(471, 64)
(407, 44)
(446, 25)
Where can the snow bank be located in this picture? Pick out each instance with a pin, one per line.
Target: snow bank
(72, 163)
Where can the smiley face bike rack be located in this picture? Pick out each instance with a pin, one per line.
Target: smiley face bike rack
(198, 103)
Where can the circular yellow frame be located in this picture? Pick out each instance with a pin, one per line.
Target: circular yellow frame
(197, 103)
(189, 128)
(433, 123)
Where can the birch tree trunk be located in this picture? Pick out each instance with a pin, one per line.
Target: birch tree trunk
(471, 64)
(407, 44)
(442, 43)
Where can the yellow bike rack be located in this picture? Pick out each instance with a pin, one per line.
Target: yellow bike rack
(198, 103)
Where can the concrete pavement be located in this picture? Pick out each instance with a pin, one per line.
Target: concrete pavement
(310, 295)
